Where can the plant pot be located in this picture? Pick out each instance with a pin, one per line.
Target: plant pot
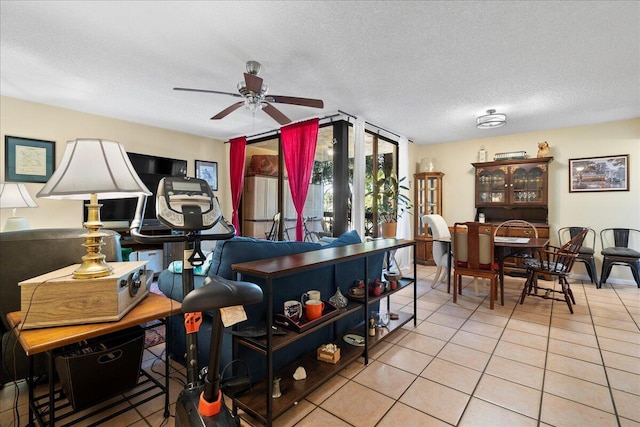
(388, 229)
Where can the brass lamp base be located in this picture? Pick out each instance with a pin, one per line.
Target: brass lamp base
(93, 263)
(93, 266)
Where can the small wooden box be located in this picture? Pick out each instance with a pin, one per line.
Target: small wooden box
(57, 299)
(326, 356)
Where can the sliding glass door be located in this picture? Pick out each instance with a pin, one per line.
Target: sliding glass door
(328, 209)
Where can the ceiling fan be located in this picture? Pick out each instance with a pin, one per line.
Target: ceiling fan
(256, 98)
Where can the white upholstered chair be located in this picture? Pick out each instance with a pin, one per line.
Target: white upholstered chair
(439, 230)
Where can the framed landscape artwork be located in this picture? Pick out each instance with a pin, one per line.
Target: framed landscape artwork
(609, 173)
(28, 160)
(209, 172)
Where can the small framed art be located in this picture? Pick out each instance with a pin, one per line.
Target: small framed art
(607, 173)
(209, 172)
(28, 160)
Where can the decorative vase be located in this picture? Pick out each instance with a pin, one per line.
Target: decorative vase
(338, 299)
(388, 229)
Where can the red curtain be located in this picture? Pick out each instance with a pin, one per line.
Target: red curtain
(236, 172)
(299, 149)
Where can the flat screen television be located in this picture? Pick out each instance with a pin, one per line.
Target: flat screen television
(118, 213)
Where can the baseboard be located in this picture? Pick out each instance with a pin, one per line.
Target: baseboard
(586, 278)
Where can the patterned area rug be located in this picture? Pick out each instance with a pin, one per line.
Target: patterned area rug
(154, 336)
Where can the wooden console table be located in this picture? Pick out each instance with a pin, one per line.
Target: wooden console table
(258, 401)
(34, 341)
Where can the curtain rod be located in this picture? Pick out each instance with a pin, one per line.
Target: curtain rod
(372, 124)
(276, 131)
(330, 116)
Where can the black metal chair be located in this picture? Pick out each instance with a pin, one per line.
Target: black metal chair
(587, 250)
(555, 262)
(620, 246)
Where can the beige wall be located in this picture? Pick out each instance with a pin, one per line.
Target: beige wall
(31, 120)
(597, 210)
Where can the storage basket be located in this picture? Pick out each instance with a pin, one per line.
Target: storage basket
(101, 368)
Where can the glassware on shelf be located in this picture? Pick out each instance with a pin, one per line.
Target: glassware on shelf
(381, 318)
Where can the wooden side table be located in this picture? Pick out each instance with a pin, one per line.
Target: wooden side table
(34, 341)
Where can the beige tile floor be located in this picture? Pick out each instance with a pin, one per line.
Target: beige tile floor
(465, 365)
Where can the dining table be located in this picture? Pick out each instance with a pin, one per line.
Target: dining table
(503, 248)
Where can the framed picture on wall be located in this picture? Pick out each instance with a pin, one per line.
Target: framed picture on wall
(608, 173)
(28, 160)
(209, 172)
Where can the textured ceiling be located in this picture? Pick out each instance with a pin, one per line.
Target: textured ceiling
(424, 70)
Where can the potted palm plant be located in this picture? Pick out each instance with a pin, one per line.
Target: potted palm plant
(392, 203)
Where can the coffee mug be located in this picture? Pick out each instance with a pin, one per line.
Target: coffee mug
(309, 296)
(313, 309)
(293, 310)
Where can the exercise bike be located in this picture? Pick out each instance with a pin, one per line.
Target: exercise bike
(188, 206)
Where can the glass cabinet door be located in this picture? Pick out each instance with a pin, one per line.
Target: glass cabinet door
(492, 186)
(427, 199)
(513, 189)
(498, 187)
(421, 205)
(484, 186)
(527, 185)
(432, 192)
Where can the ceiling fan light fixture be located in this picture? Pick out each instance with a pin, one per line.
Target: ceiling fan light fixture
(491, 120)
(242, 88)
(253, 67)
(253, 104)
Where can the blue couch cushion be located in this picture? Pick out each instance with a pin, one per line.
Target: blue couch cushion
(244, 249)
(348, 238)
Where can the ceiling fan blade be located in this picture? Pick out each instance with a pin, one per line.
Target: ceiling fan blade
(306, 102)
(275, 114)
(230, 109)
(253, 82)
(208, 91)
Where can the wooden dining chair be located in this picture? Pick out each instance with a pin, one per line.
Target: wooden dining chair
(587, 250)
(473, 255)
(517, 228)
(556, 262)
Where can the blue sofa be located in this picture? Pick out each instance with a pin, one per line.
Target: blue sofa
(243, 249)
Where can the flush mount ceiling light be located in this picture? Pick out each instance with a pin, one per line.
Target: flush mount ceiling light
(491, 120)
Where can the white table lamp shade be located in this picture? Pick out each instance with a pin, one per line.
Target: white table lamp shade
(93, 169)
(94, 166)
(15, 195)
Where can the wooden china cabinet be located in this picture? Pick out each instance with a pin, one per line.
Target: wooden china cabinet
(427, 200)
(514, 189)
